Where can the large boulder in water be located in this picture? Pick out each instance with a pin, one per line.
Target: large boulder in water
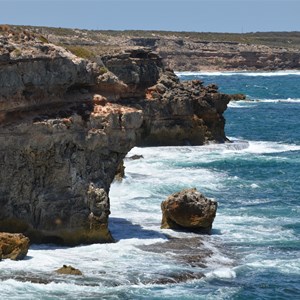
(13, 245)
(188, 209)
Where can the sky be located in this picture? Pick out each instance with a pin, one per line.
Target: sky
(176, 15)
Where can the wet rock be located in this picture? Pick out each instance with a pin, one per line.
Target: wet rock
(190, 210)
(135, 157)
(120, 174)
(188, 251)
(236, 97)
(68, 270)
(177, 278)
(14, 246)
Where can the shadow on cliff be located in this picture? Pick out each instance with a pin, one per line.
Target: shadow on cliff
(121, 229)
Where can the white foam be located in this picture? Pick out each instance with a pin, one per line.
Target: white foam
(241, 73)
(288, 100)
(261, 147)
(224, 273)
(241, 104)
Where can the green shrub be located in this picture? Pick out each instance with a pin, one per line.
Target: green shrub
(43, 39)
(103, 70)
(17, 52)
(81, 52)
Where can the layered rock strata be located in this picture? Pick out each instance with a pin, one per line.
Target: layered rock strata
(65, 127)
(192, 51)
(175, 113)
(59, 145)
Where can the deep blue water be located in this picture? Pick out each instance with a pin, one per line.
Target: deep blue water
(256, 233)
(262, 185)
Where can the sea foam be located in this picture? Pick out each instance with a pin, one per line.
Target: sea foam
(240, 73)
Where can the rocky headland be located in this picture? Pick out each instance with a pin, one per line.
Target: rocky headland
(188, 51)
(66, 124)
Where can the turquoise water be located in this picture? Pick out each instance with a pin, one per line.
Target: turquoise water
(255, 245)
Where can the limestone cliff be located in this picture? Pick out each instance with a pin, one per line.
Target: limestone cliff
(195, 55)
(59, 146)
(175, 113)
(66, 125)
(191, 51)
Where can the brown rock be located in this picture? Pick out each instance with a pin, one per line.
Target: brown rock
(62, 139)
(237, 97)
(59, 146)
(68, 270)
(120, 174)
(99, 99)
(135, 157)
(13, 245)
(188, 209)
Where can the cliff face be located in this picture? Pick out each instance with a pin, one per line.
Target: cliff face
(192, 51)
(174, 112)
(59, 146)
(194, 55)
(65, 127)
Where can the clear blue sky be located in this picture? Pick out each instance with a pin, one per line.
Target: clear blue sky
(177, 15)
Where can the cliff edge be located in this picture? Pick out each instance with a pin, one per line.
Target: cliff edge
(66, 124)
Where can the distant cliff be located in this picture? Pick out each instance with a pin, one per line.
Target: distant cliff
(187, 55)
(66, 123)
(189, 51)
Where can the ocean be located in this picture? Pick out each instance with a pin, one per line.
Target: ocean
(254, 249)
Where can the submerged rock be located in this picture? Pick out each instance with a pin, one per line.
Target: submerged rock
(13, 246)
(177, 278)
(135, 157)
(188, 209)
(237, 97)
(188, 251)
(68, 270)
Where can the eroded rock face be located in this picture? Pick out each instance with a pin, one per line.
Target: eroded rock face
(35, 74)
(175, 113)
(65, 127)
(188, 209)
(58, 157)
(13, 246)
(195, 55)
(138, 68)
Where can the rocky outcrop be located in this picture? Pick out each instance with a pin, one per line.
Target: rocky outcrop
(193, 51)
(188, 209)
(66, 125)
(60, 145)
(237, 97)
(175, 113)
(138, 68)
(196, 55)
(13, 246)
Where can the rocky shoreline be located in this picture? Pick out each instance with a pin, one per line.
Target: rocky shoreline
(67, 123)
